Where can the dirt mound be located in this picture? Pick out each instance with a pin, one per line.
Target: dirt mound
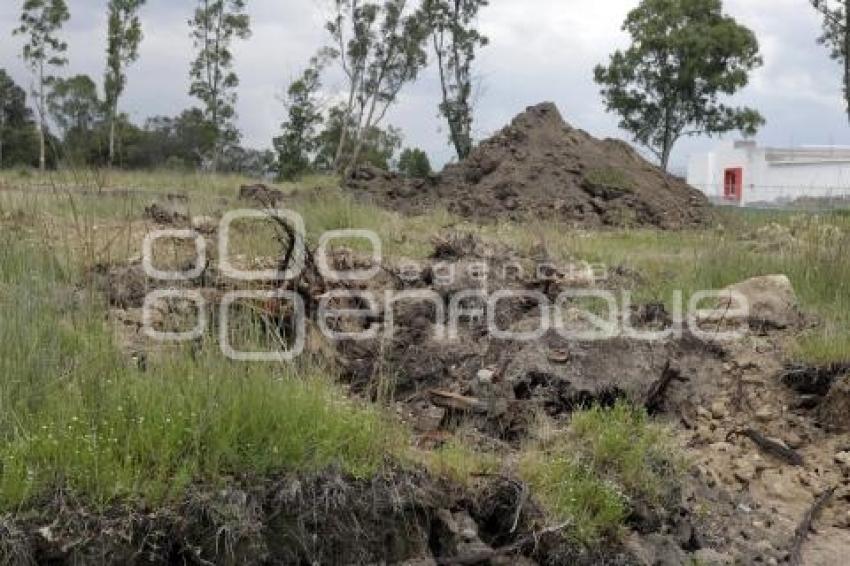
(540, 167)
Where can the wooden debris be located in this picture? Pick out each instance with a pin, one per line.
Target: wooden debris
(770, 447)
(795, 557)
(457, 402)
(655, 396)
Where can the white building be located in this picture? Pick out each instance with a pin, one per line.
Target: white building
(741, 173)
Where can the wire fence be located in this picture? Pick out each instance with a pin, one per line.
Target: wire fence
(782, 197)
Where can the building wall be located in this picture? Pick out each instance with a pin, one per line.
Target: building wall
(771, 175)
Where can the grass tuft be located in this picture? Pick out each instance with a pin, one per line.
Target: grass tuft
(609, 459)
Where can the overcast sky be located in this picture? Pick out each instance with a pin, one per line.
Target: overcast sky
(540, 50)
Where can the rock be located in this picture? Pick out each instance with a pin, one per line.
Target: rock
(719, 410)
(712, 557)
(485, 375)
(165, 215)
(764, 414)
(793, 440)
(842, 521)
(428, 418)
(456, 534)
(260, 194)
(834, 412)
(205, 224)
(744, 472)
(772, 302)
(843, 459)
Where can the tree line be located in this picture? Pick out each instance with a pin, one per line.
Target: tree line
(685, 58)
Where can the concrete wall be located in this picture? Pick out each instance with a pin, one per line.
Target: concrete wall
(773, 175)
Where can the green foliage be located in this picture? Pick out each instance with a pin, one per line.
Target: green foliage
(188, 137)
(684, 55)
(455, 42)
(610, 178)
(123, 38)
(414, 163)
(74, 103)
(381, 49)
(299, 139)
(74, 416)
(214, 26)
(610, 458)
(457, 461)
(18, 138)
(836, 36)
(379, 146)
(40, 21)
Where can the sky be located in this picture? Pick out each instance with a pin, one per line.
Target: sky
(540, 50)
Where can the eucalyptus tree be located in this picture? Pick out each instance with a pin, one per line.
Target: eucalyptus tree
(43, 52)
(381, 49)
(214, 26)
(456, 42)
(124, 36)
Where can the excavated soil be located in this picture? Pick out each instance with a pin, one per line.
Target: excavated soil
(542, 168)
(764, 441)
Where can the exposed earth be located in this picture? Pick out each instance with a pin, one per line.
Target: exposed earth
(539, 167)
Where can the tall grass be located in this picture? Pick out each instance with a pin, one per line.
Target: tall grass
(809, 249)
(74, 415)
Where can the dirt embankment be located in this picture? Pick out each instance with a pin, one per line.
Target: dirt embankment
(540, 167)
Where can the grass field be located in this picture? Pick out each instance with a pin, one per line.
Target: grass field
(75, 415)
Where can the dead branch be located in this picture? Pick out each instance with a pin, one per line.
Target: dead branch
(449, 400)
(658, 390)
(769, 447)
(804, 528)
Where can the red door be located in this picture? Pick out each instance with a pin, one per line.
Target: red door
(733, 184)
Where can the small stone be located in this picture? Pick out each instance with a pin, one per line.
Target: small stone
(744, 472)
(793, 440)
(485, 375)
(704, 413)
(428, 419)
(764, 414)
(843, 521)
(718, 410)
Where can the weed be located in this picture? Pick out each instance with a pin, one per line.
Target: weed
(609, 458)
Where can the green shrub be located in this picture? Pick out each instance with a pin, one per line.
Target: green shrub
(414, 163)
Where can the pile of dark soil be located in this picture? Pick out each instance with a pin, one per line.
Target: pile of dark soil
(540, 167)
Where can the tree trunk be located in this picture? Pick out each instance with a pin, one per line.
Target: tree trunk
(112, 113)
(665, 159)
(343, 132)
(361, 140)
(42, 155)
